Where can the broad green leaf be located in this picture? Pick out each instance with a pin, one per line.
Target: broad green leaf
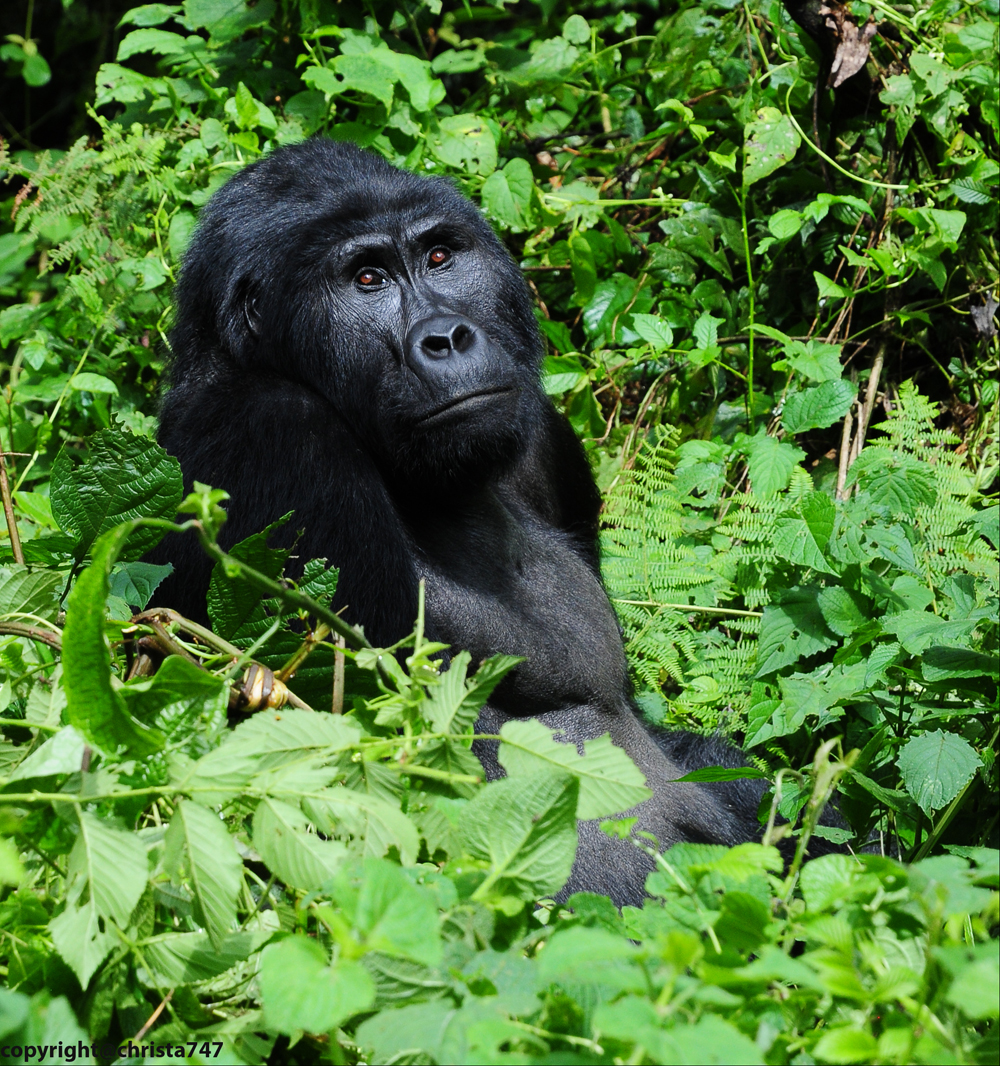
(123, 477)
(785, 223)
(184, 958)
(917, 630)
(828, 289)
(818, 407)
(159, 42)
(300, 858)
(150, 15)
(97, 709)
(227, 20)
(178, 698)
(454, 703)
(936, 767)
(234, 606)
(506, 195)
(60, 754)
(87, 382)
(770, 142)
(841, 610)
(653, 330)
(580, 955)
(940, 664)
(30, 591)
(581, 259)
(793, 540)
(791, 630)
(11, 868)
(813, 359)
(770, 463)
(408, 1033)
(199, 849)
(525, 827)
(465, 142)
(610, 782)
(373, 823)
(135, 583)
(811, 695)
(301, 990)
(106, 874)
(976, 988)
(390, 913)
(896, 481)
(560, 374)
(847, 1045)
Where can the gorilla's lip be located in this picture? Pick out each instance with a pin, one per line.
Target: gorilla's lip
(464, 404)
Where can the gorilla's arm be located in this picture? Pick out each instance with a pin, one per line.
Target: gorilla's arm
(276, 446)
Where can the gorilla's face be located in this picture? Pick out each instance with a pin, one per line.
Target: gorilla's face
(425, 361)
(387, 293)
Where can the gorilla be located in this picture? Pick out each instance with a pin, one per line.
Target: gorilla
(354, 344)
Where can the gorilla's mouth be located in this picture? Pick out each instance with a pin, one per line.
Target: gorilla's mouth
(461, 406)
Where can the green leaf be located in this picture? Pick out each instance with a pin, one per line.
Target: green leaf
(770, 463)
(818, 407)
(722, 773)
(936, 767)
(941, 664)
(917, 630)
(610, 782)
(976, 988)
(30, 591)
(135, 583)
(159, 42)
(374, 824)
(506, 195)
(771, 141)
(300, 990)
(454, 703)
(198, 847)
(149, 15)
(124, 477)
(791, 630)
(830, 290)
(391, 914)
(235, 606)
(96, 709)
(525, 827)
(793, 540)
(785, 223)
(560, 374)
(841, 610)
(60, 754)
(653, 330)
(185, 958)
(896, 481)
(106, 874)
(226, 20)
(815, 360)
(298, 857)
(464, 142)
(845, 1045)
(581, 258)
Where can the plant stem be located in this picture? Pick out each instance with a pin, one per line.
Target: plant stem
(751, 300)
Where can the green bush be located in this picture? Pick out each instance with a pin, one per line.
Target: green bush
(771, 325)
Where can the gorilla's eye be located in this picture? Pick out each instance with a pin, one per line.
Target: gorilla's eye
(369, 279)
(439, 257)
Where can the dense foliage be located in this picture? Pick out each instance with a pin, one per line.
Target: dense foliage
(769, 307)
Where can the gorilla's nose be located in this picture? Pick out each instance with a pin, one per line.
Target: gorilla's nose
(442, 346)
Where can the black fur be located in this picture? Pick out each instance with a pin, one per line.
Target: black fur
(404, 424)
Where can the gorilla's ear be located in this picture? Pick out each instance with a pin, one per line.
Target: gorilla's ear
(250, 311)
(241, 323)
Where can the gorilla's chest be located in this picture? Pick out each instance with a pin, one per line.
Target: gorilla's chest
(503, 582)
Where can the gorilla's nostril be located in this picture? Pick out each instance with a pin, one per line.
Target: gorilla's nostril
(462, 338)
(436, 344)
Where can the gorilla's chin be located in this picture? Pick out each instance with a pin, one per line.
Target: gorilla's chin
(464, 446)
